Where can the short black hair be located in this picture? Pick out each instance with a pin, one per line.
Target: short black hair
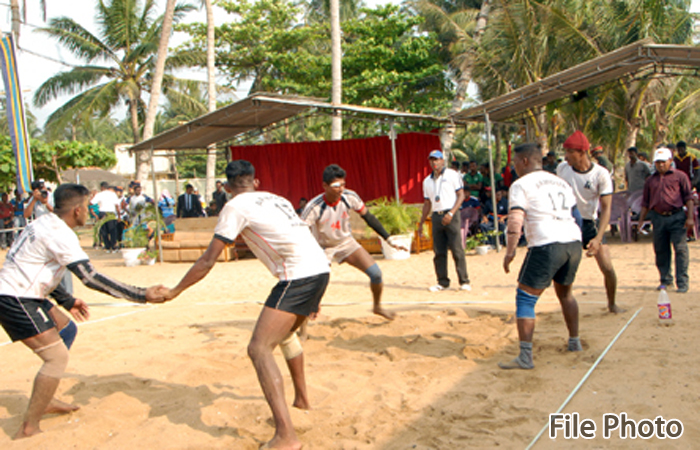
(104, 185)
(681, 144)
(68, 195)
(239, 173)
(333, 172)
(37, 184)
(529, 150)
(188, 185)
(633, 150)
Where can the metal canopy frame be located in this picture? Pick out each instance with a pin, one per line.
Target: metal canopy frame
(254, 113)
(634, 58)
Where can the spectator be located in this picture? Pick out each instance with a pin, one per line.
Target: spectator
(18, 220)
(219, 196)
(6, 214)
(166, 204)
(108, 203)
(636, 171)
(38, 203)
(598, 155)
(549, 163)
(486, 226)
(687, 163)
(188, 204)
(473, 180)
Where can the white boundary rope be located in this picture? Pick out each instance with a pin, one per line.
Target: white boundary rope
(583, 380)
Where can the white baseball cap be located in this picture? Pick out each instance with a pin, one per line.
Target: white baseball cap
(662, 154)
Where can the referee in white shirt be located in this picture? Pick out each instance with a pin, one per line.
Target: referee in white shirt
(443, 193)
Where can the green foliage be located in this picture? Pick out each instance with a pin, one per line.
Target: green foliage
(474, 241)
(135, 237)
(397, 218)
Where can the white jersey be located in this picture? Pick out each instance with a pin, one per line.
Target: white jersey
(330, 224)
(588, 187)
(547, 201)
(442, 192)
(36, 262)
(274, 233)
(107, 201)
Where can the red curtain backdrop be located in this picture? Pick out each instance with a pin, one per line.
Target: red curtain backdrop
(295, 170)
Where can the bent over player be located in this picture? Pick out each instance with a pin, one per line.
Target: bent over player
(545, 204)
(33, 268)
(329, 217)
(283, 242)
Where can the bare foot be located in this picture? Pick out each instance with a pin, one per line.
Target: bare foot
(388, 315)
(27, 430)
(59, 407)
(282, 444)
(616, 309)
(301, 403)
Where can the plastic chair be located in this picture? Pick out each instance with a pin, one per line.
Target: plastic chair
(620, 216)
(469, 216)
(634, 202)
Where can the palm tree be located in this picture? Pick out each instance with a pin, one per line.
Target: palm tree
(211, 94)
(119, 62)
(336, 71)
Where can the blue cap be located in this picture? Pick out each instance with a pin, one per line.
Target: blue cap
(436, 154)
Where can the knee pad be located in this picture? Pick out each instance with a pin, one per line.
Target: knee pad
(291, 346)
(375, 274)
(68, 334)
(55, 357)
(525, 304)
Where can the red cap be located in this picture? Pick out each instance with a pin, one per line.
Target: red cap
(577, 141)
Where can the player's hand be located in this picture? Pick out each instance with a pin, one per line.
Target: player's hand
(446, 219)
(80, 310)
(593, 247)
(689, 223)
(391, 242)
(420, 229)
(155, 294)
(506, 262)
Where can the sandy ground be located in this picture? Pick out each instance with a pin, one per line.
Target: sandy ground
(176, 376)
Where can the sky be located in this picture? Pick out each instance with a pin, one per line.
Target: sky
(34, 70)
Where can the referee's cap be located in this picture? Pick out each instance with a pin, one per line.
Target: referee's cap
(436, 154)
(662, 154)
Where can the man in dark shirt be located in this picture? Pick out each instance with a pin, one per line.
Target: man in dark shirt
(665, 194)
(687, 163)
(188, 204)
(219, 196)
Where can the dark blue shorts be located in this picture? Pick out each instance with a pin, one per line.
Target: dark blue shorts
(301, 296)
(23, 317)
(557, 261)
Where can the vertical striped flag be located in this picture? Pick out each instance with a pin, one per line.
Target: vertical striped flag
(15, 114)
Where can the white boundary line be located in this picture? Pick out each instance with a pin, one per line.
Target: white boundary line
(583, 380)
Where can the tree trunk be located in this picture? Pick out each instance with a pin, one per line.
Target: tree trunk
(497, 131)
(16, 19)
(465, 76)
(541, 129)
(632, 127)
(134, 117)
(211, 90)
(145, 161)
(336, 71)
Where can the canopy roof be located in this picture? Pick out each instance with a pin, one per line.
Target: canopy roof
(254, 112)
(638, 57)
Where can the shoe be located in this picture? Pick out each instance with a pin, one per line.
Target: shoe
(465, 287)
(682, 290)
(436, 288)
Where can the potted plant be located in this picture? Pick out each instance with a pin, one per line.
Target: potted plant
(135, 241)
(400, 221)
(478, 243)
(148, 257)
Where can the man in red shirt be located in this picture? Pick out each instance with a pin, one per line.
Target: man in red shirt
(665, 194)
(6, 213)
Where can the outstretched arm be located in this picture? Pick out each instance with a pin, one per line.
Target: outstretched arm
(199, 269)
(91, 278)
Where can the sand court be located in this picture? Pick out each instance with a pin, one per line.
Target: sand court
(177, 375)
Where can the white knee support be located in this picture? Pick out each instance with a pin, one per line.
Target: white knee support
(291, 346)
(55, 357)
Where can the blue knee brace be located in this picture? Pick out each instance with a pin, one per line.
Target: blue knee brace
(375, 274)
(68, 333)
(524, 304)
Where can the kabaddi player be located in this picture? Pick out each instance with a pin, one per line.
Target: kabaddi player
(329, 217)
(545, 204)
(33, 268)
(592, 187)
(283, 242)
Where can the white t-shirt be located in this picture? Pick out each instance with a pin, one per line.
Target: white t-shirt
(547, 201)
(274, 233)
(442, 192)
(588, 187)
(107, 201)
(36, 262)
(330, 224)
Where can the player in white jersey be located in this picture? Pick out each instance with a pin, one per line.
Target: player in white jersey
(545, 204)
(328, 214)
(283, 242)
(592, 186)
(33, 268)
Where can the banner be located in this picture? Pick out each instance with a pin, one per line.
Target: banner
(15, 114)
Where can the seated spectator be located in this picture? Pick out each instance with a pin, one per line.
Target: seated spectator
(486, 225)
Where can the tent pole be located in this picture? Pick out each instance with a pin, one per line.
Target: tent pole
(493, 180)
(155, 200)
(392, 137)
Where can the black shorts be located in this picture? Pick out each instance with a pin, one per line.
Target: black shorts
(301, 296)
(589, 230)
(557, 262)
(23, 317)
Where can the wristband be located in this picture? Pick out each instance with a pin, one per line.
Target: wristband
(450, 213)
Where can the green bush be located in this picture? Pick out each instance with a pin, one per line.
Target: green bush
(397, 218)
